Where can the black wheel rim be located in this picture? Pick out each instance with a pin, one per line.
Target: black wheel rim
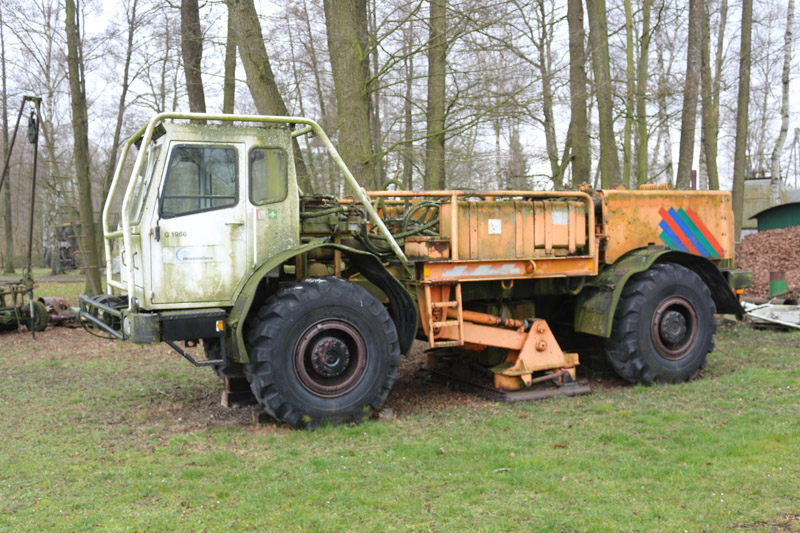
(674, 328)
(330, 358)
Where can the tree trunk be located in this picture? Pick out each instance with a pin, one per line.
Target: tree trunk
(642, 136)
(690, 91)
(543, 47)
(710, 119)
(192, 51)
(579, 126)
(229, 85)
(598, 39)
(627, 149)
(743, 102)
(80, 130)
(375, 102)
(718, 61)
(346, 22)
(260, 79)
(408, 131)
(776, 152)
(437, 64)
(112, 157)
(8, 231)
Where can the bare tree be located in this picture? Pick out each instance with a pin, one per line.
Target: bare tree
(598, 39)
(743, 103)
(132, 23)
(80, 129)
(346, 22)
(787, 65)
(710, 118)
(642, 135)
(437, 71)
(229, 85)
(690, 91)
(192, 50)
(630, 89)
(260, 79)
(579, 127)
(8, 232)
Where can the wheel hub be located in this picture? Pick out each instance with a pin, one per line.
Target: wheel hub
(330, 357)
(674, 328)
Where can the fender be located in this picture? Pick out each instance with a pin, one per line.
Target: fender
(401, 306)
(597, 303)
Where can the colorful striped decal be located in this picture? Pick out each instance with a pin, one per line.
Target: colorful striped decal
(682, 230)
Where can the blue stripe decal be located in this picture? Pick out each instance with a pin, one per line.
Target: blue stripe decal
(696, 232)
(671, 234)
(687, 232)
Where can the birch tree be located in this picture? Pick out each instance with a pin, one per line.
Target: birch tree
(787, 65)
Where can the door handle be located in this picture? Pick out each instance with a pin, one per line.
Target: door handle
(234, 223)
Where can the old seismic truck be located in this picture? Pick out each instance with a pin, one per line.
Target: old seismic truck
(314, 299)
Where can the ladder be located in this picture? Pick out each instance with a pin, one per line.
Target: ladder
(437, 316)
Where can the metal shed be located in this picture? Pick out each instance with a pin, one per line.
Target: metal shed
(778, 217)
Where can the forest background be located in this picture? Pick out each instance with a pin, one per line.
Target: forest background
(459, 94)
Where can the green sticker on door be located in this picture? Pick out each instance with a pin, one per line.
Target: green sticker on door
(272, 214)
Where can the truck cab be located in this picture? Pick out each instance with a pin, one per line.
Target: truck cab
(209, 204)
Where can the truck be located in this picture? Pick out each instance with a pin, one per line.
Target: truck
(313, 299)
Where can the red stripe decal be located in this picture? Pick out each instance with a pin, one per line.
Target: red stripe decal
(678, 232)
(704, 230)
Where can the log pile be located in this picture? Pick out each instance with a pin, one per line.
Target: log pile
(769, 251)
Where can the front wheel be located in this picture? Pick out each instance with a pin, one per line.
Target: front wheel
(322, 350)
(663, 327)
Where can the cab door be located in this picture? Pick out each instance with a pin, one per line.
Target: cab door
(198, 243)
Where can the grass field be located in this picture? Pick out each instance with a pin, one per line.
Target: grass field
(105, 436)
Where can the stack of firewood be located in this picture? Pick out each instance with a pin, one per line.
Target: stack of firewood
(770, 251)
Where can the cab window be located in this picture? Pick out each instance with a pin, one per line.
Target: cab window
(199, 178)
(143, 184)
(268, 175)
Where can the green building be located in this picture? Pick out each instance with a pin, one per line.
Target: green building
(778, 217)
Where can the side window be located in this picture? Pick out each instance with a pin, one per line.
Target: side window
(143, 184)
(268, 175)
(199, 178)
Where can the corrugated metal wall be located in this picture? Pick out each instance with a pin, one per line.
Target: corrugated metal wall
(783, 216)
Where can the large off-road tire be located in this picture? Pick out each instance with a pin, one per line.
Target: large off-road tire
(323, 350)
(663, 327)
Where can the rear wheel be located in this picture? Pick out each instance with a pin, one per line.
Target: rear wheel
(322, 350)
(663, 327)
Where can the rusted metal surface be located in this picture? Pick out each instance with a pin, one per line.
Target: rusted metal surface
(514, 229)
(424, 248)
(59, 312)
(531, 346)
(698, 222)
